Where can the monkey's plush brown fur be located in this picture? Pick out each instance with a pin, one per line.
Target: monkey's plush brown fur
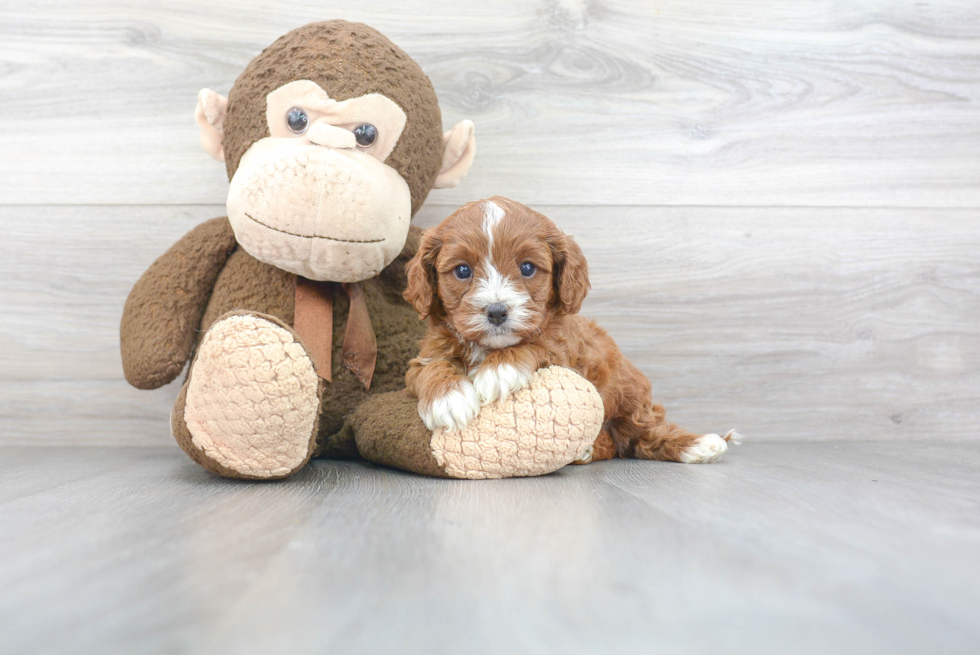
(239, 282)
(319, 52)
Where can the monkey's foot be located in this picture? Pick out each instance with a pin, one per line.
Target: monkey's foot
(251, 400)
(552, 422)
(539, 429)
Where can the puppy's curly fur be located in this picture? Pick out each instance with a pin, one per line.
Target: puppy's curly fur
(500, 287)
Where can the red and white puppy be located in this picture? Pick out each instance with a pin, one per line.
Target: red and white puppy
(500, 287)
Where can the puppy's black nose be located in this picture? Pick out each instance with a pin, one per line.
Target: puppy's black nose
(497, 313)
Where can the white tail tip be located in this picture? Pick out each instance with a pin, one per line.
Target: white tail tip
(733, 437)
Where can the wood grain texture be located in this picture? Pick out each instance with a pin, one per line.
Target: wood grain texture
(781, 548)
(576, 102)
(787, 323)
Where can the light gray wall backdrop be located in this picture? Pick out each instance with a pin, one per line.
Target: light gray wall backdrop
(780, 202)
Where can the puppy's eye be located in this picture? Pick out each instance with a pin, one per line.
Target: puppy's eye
(297, 121)
(462, 272)
(527, 269)
(365, 135)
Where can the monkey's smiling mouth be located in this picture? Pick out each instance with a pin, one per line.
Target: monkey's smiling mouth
(311, 236)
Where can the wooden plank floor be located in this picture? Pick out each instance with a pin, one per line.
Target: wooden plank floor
(842, 547)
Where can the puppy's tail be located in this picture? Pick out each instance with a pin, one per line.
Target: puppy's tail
(733, 437)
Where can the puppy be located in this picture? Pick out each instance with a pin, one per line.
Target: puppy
(500, 287)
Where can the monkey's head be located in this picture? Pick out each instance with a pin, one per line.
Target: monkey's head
(332, 138)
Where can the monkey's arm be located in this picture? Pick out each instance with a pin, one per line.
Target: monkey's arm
(164, 309)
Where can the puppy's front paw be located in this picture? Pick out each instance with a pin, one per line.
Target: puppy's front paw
(451, 411)
(493, 382)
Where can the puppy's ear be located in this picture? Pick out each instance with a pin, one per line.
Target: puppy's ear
(422, 289)
(570, 275)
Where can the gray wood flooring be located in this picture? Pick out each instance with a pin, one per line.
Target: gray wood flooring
(836, 547)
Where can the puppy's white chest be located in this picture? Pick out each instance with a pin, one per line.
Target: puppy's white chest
(475, 358)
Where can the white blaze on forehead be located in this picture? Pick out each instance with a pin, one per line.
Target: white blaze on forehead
(492, 214)
(493, 288)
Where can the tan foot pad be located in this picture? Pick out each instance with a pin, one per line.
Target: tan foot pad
(252, 398)
(551, 423)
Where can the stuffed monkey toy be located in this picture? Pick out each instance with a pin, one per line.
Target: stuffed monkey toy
(290, 309)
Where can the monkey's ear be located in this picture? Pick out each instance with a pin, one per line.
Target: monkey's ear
(458, 149)
(210, 116)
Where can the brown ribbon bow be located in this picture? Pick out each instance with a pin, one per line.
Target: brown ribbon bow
(313, 323)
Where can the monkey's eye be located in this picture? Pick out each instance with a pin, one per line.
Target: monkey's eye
(365, 135)
(527, 269)
(462, 272)
(297, 121)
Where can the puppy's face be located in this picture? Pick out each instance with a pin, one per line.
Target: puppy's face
(497, 272)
